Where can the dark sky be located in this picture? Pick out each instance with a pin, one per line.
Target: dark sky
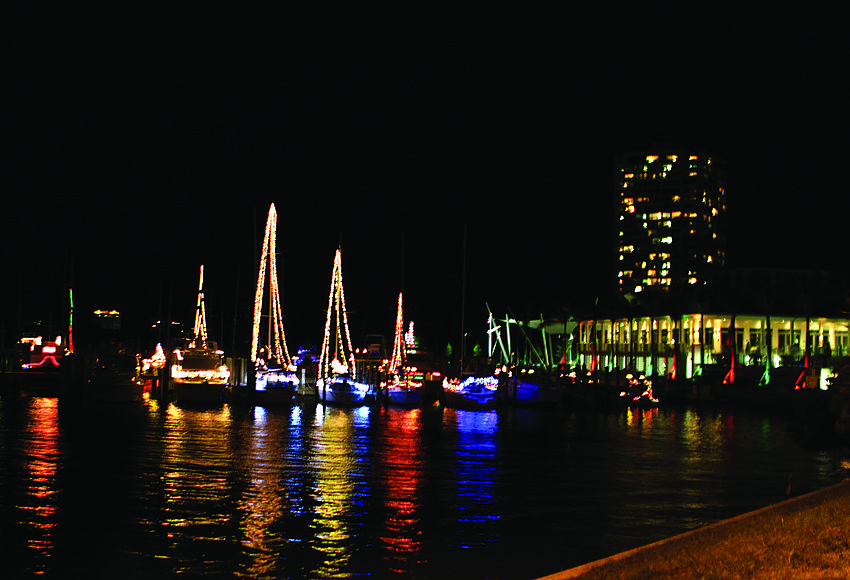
(135, 156)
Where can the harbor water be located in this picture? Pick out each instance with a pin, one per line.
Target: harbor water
(154, 489)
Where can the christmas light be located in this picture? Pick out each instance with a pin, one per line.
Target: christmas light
(340, 351)
(398, 357)
(219, 375)
(51, 359)
(491, 383)
(200, 316)
(71, 321)
(158, 359)
(268, 259)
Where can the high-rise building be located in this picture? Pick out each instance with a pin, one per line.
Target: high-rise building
(671, 219)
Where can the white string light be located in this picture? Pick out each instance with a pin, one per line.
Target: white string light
(279, 352)
(339, 358)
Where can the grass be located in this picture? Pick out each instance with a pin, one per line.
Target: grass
(806, 538)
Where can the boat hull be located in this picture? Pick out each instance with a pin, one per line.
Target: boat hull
(282, 394)
(471, 400)
(528, 393)
(404, 395)
(342, 393)
(198, 392)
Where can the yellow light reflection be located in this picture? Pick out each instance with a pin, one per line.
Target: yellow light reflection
(334, 461)
(263, 502)
(196, 457)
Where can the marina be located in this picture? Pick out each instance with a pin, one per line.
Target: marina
(313, 490)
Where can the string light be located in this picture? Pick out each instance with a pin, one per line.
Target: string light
(280, 352)
(200, 316)
(71, 321)
(491, 383)
(398, 357)
(340, 352)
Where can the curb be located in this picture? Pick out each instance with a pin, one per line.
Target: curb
(579, 570)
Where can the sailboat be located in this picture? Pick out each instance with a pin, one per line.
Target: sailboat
(401, 388)
(276, 380)
(337, 368)
(474, 388)
(198, 372)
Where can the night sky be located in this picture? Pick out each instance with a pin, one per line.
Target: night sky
(134, 157)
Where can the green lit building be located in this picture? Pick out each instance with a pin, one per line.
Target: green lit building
(671, 219)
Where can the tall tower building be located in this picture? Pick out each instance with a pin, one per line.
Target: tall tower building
(671, 219)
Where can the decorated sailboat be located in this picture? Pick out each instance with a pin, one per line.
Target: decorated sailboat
(198, 372)
(402, 388)
(337, 369)
(471, 393)
(276, 380)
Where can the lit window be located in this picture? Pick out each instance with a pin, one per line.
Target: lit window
(672, 158)
(692, 280)
(692, 158)
(629, 176)
(692, 174)
(651, 158)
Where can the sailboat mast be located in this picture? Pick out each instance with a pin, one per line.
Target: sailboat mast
(463, 305)
(200, 315)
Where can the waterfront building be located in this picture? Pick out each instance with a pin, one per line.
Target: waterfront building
(670, 210)
(762, 318)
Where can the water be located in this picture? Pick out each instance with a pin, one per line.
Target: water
(151, 490)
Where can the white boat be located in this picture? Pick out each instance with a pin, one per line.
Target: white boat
(402, 388)
(403, 392)
(275, 379)
(199, 375)
(198, 372)
(275, 386)
(341, 390)
(337, 364)
(471, 393)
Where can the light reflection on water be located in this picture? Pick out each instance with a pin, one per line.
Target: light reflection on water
(313, 491)
(401, 464)
(38, 508)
